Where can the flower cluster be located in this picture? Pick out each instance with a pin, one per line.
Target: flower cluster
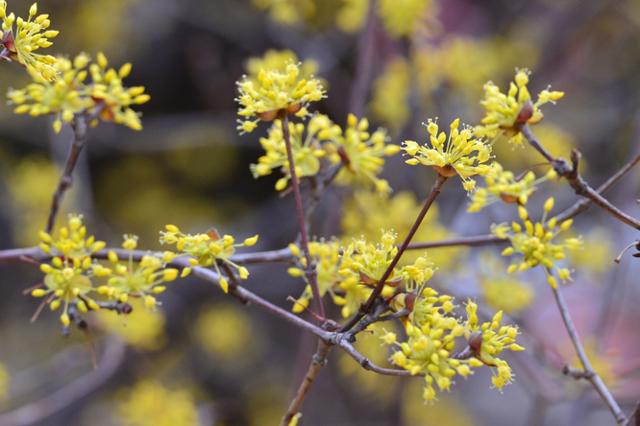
(366, 213)
(460, 153)
(104, 96)
(326, 256)
(362, 265)
(503, 186)
(505, 113)
(306, 147)
(207, 249)
(75, 280)
(67, 279)
(535, 243)
(430, 346)
(350, 273)
(361, 153)
(142, 279)
(29, 36)
(274, 91)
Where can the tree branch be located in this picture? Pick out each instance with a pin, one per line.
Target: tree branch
(589, 373)
(366, 307)
(581, 187)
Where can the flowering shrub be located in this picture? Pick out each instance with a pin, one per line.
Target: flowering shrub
(368, 283)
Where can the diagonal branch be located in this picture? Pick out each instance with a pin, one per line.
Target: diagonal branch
(79, 127)
(581, 187)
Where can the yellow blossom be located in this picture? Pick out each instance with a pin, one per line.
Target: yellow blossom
(537, 243)
(138, 406)
(459, 153)
(390, 102)
(361, 154)
(29, 36)
(404, 17)
(225, 332)
(142, 328)
(207, 249)
(505, 113)
(112, 96)
(287, 11)
(306, 147)
(502, 185)
(274, 91)
(143, 279)
(67, 277)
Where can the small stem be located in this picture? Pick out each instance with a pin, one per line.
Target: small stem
(310, 270)
(366, 307)
(318, 361)
(79, 127)
(589, 373)
(576, 181)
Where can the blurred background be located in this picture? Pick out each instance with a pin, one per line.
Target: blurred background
(205, 359)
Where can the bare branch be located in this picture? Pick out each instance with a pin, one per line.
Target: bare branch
(588, 373)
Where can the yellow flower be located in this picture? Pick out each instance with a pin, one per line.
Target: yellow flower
(499, 290)
(71, 94)
(361, 153)
(144, 279)
(278, 60)
(503, 186)
(64, 97)
(225, 332)
(352, 15)
(404, 17)
(460, 153)
(535, 243)
(29, 36)
(326, 256)
(67, 278)
(274, 91)
(366, 213)
(287, 12)
(142, 328)
(390, 95)
(505, 113)
(138, 406)
(109, 93)
(306, 147)
(207, 249)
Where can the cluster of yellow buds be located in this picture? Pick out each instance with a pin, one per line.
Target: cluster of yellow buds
(535, 243)
(502, 185)
(505, 113)
(68, 277)
(490, 339)
(30, 35)
(273, 92)
(306, 147)
(459, 153)
(207, 249)
(326, 256)
(71, 94)
(363, 263)
(430, 346)
(126, 278)
(361, 153)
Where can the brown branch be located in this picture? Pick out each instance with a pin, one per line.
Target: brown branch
(584, 203)
(310, 269)
(79, 127)
(365, 51)
(318, 361)
(366, 307)
(580, 186)
(588, 372)
(368, 365)
(473, 241)
(62, 398)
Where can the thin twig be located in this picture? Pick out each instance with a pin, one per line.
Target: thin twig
(82, 387)
(79, 127)
(580, 186)
(589, 373)
(365, 51)
(366, 307)
(310, 269)
(473, 241)
(318, 361)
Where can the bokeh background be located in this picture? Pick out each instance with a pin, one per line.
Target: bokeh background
(203, 358)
